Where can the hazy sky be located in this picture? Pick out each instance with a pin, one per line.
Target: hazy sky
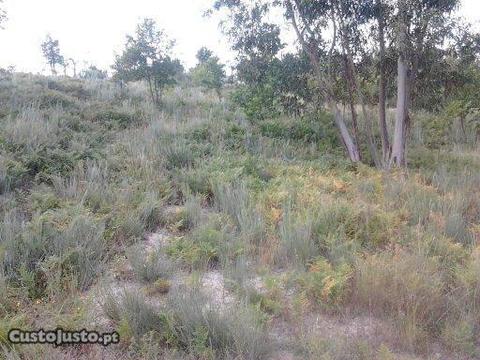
(92, 31)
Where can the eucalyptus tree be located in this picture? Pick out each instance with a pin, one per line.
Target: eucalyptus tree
(209, 72)
(327, 29)
(204, 54)
(312, 21)
(147, 56)
(419, 24)
(51, 52)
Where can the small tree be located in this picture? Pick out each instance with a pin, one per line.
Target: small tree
(147, 57)
(209, 72)
(204, 54)
(74, 66)
(51, 52)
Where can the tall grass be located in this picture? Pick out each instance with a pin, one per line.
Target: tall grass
(406, 287)
(235, 201)
(190, 322)
(296, 236)
(38, 255)
(31, 130)
(149, 267)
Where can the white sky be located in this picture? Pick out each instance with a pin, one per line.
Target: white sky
(92, 31)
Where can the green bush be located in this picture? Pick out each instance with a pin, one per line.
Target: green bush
(436, 130)
(191, 323)
(204, 247)
(459, 336)
(199, 326)
(237, 203)
(135, 316)
(113, 117)
(55, 251)
(296, 237)
(149, 266)
(325, 285)
(52, 98)
(406, 287)
(258, 103)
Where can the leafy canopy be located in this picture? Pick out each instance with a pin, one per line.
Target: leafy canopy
(51, 52)
(147, 56)
(209, 72)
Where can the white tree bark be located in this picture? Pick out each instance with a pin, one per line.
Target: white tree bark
(399, 140)
(350, 145)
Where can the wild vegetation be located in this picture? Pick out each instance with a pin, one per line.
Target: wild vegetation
(206, 218)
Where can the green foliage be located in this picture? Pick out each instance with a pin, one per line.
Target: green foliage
(296, 237)
(147, 57)
(258, 102)
(459, 336)
(202, 248)
(93, 73)
(325, 285)
(199, 325)
(81, 180)
(8, 323)
(57, 251)
(437, 130)
(149, 267)
(236, 203)
(113, 117)
(189, 322)
(209, 73)
(179, 154)
(135, 315)
(407, 287)
(51, 52)
(313, 128)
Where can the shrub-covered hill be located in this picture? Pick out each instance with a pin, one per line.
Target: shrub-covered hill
(156, 223)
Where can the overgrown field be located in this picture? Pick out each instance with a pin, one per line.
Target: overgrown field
(316, 258)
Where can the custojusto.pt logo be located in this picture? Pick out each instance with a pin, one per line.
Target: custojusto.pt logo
(60, 336)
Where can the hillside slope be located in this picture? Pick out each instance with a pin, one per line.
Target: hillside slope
(196, 234)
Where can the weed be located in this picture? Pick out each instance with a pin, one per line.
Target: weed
(406, 287)
(200, 326)
(236, 202)
(134, 314)
(296, 236)
(325, 285)
(149, 267)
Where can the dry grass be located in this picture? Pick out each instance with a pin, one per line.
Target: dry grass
(87, 169)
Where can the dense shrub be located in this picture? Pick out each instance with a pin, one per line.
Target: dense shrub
(190, 322)
(149, 267)
(58, 250)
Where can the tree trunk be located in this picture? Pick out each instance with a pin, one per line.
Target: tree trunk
(325, 87)
(352, 89)
(372, 145)
(355, 90)
(350, 145)
(74, 64)
(150, 88)
(399, 142)
(157, 94)
(462, 126)
(382, 98)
